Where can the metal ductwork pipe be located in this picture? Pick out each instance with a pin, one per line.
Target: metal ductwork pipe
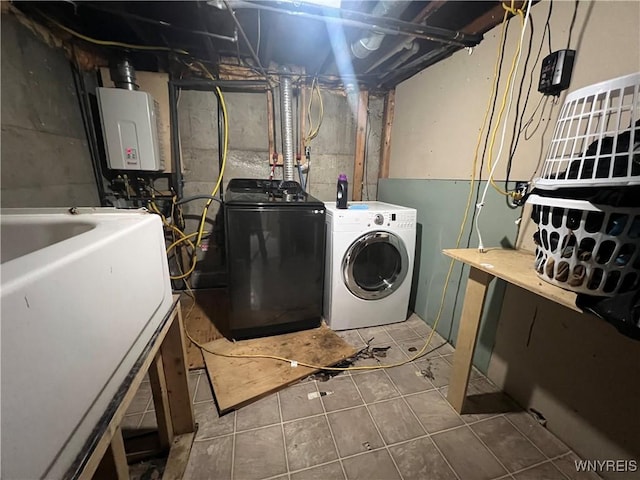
(405, 56)
(363, 47)
(366, 21)
(408, 45)
(286, 123)
(124, 75)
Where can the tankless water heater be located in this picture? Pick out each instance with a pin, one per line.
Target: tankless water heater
(130, 129)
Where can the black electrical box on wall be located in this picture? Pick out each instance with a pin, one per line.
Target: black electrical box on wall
(555, 73)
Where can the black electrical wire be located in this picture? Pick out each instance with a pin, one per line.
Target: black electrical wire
(89, 129)
(238, 53)
(547, 26)
(515, 133)
(525, 127)
(221, 148)
(246, 40)
(153, 21)
(486, 138)
(573, 21)
(484, 152)
(518, 126)
(528, 136)
(366, 153)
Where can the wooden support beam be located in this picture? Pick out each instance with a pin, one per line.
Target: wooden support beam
(270, 132)
(393, 44)
(113, 465)
(161, 402)
(490, 18)
(361, 140)
(387, 124)
(430, 8)
(302, 114)
(174, 354)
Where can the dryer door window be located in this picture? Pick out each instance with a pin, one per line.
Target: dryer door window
(375, 265)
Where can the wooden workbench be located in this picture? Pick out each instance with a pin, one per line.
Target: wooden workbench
(513, 266)
(164, 359)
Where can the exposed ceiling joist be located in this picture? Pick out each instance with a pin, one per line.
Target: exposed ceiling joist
(264, 34)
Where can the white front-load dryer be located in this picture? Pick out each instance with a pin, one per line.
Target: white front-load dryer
(368, 272)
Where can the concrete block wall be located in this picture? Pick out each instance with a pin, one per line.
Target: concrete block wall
(45, 156)
(332, 152)
(46, 160)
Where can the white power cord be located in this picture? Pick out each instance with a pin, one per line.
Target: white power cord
(480, 204)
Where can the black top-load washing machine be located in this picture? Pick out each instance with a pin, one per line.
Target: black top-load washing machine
(275, 241)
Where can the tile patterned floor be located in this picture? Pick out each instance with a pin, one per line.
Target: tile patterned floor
(379, 424)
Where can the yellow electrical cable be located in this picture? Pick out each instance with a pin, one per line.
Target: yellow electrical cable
(111, 43)
(183, 238)
(321, 113)
(446, 282)
(224, 159)
(310, 365)
(203, 217)
(313, 131)
(494, 91)
(512, 10)
(309, 117)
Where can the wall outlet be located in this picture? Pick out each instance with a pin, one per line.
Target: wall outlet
(521, 191)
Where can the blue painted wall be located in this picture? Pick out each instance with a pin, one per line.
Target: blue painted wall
(440, 205)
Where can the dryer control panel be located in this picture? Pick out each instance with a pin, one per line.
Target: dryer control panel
(388, 219)
(376, 215)
(406, 219)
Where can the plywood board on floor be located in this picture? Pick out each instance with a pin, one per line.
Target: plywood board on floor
(201, 320)
(240, 381)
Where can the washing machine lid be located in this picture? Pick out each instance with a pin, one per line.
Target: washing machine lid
(375, 265)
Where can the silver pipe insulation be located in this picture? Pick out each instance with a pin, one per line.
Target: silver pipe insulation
(286, 124)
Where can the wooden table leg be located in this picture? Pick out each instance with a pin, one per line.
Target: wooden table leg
(173, 352)
(467, 335)
(113, 465)
(161, 402)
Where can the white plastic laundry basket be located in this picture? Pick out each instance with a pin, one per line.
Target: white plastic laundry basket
(587, 248)
(596, 141)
